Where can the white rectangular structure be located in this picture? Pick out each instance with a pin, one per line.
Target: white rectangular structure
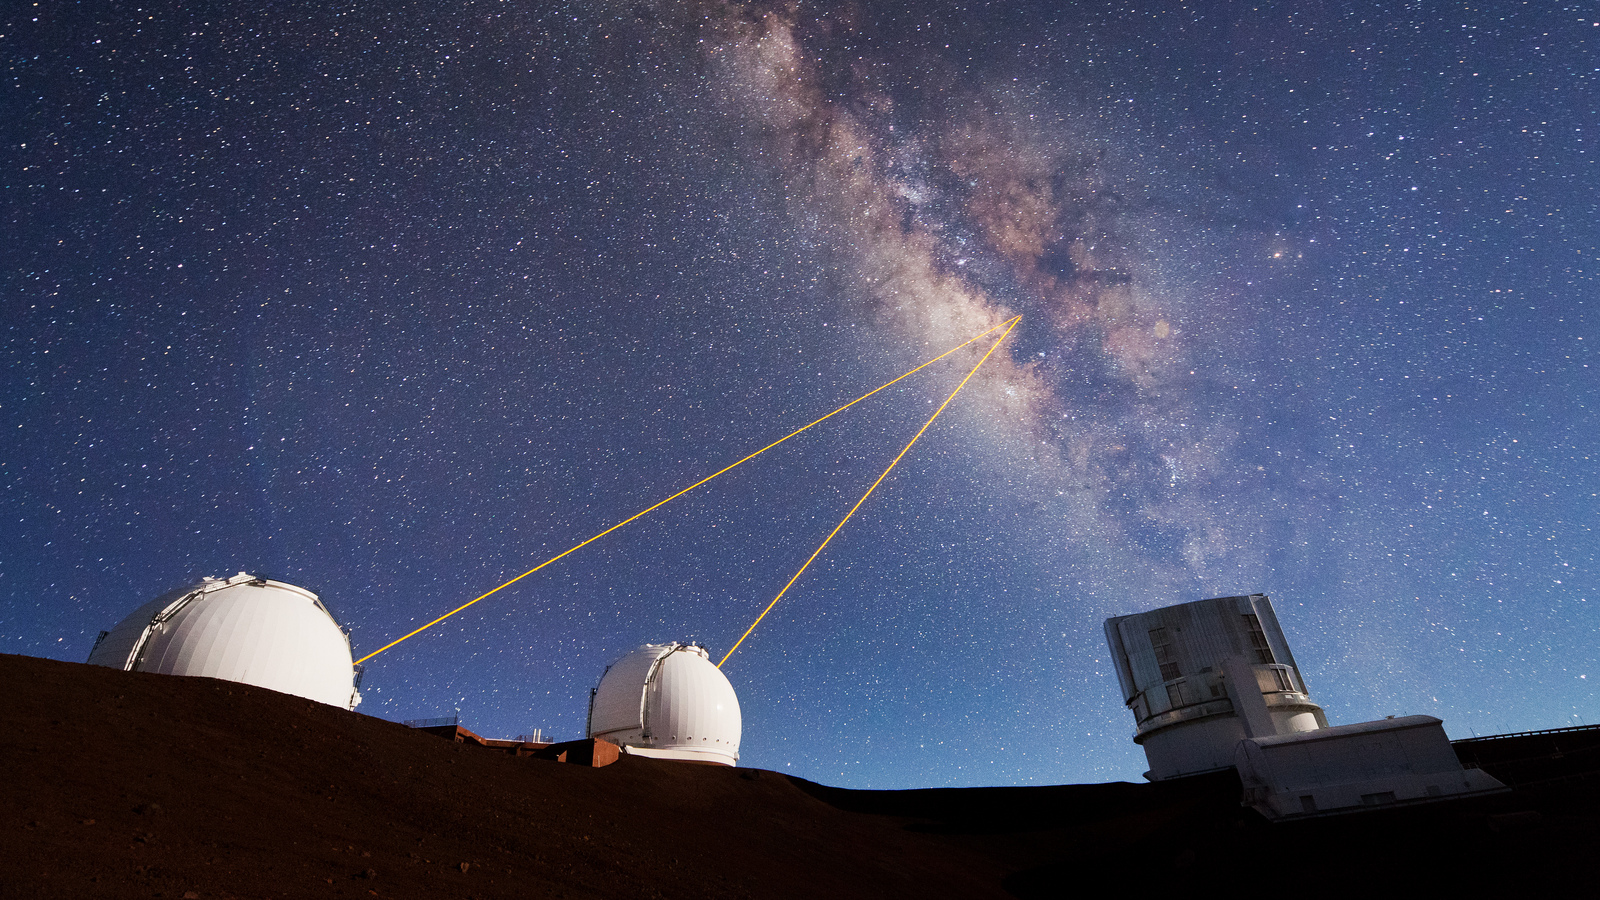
(1352, 767)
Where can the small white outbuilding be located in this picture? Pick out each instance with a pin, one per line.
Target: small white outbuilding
(247, 629)
(1351, 767)
(668, 701)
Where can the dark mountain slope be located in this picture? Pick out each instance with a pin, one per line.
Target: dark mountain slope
(125, 785)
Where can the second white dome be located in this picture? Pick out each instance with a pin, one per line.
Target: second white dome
(668, 701)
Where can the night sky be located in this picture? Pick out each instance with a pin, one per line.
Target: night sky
(395, 301)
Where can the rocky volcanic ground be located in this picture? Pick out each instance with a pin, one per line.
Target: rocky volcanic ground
(132, 785)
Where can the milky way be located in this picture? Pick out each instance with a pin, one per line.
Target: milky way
(395, 302)
(966, 214)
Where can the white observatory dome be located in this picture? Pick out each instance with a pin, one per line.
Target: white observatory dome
(246, 629)
(668, 701)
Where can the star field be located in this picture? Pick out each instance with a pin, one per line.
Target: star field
(397, 301)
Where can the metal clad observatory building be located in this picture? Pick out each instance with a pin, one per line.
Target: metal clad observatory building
(246, 629)
(1200, 677)
(1212, 685)
(668, 701)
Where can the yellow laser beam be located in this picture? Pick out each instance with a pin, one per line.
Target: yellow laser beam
(1009, 325)
(686, 490)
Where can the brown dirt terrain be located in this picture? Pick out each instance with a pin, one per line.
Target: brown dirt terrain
(132, 785)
